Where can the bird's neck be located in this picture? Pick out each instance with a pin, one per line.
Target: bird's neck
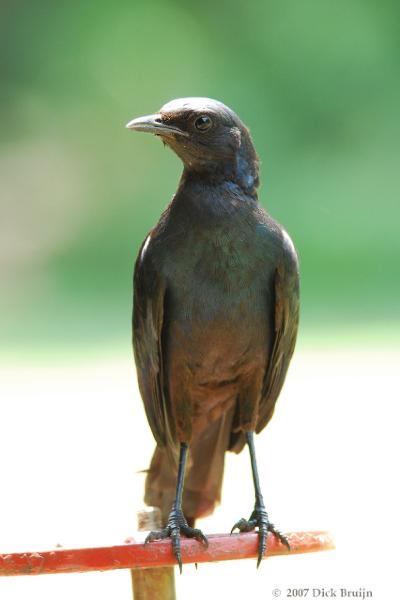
(214, 181)
(212, 195)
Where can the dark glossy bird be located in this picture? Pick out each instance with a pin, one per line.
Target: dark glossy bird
(216, 308)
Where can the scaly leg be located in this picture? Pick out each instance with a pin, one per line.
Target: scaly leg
(177, 523)
(259, 516)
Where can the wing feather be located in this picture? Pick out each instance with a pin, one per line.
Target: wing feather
(147, 327)
(286, 319)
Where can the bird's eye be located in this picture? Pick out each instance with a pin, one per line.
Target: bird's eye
(203, 123)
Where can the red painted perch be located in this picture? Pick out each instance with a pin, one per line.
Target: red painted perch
(157, 554)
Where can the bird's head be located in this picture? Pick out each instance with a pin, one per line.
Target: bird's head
(208, 137)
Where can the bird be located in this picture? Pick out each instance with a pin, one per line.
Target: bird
(215, 318)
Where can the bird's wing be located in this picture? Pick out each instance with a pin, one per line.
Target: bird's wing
(148, 319)
(286, 318)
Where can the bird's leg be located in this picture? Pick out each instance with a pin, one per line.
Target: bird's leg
(259, 516)
(177, 523)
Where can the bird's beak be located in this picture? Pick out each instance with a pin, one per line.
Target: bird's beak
(155, 124)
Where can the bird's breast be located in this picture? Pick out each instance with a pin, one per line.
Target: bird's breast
(219, 324)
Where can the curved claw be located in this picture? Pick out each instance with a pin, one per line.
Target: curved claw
(259, 518)
(177, 524)
(262, 543)
(244, 525)
(197, 534)
(237, 525)
(281, 536)
(158, 534)
(176, 546)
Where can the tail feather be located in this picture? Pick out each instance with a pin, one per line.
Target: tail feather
(204, 474)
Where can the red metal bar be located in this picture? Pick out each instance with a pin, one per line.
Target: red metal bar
(156, 554)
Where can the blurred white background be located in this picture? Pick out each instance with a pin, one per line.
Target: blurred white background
(74, 435)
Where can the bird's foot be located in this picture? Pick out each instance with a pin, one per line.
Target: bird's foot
(259, 518)
(176, 526)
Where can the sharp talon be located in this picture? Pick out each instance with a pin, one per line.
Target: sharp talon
(243, 525)
(259, 518)
(281, 536)
(197, 534)
(200, 537)
(283, 539)
(179, 564)
(155, 535)
(177, 526)
(176, 547)
(262, 544)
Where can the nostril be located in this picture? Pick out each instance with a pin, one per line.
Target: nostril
(157, 120)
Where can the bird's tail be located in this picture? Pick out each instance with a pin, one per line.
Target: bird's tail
(204, 473)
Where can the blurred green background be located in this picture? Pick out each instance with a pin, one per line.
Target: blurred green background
(318, 84)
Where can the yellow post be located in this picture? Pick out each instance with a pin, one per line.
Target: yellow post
(157, 583)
